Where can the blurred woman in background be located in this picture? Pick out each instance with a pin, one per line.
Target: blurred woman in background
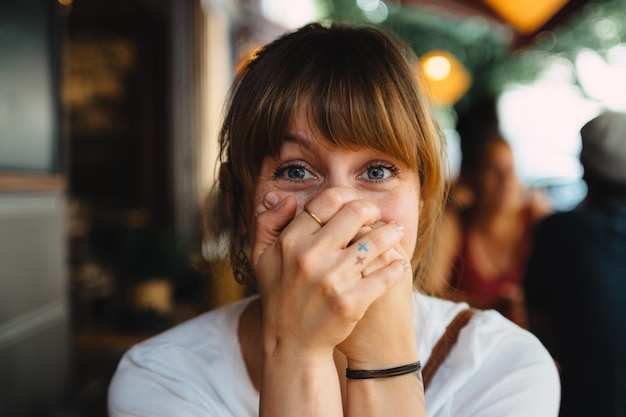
(487, 232)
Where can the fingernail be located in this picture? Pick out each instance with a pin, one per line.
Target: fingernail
(406, 265)
(260, 210)
(400, 227)
(271, 199)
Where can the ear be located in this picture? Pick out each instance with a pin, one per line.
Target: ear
(227, 190)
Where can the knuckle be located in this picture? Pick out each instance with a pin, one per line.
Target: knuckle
(306, 261)
(389, 279)
(342, 305)
(338, 196)
(288, 241)
(363, 209)
(333, 197)
(378, 240)
(391, 255)
(341, 302)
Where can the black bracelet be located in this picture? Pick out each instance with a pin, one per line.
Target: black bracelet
(383, 373)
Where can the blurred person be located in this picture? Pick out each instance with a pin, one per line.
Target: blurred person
(486, 234)
(576, 279)
(332, 182)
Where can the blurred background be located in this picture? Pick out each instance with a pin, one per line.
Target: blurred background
(109, 111)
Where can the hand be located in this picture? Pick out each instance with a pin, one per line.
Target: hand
(311, 278)
(384, 337)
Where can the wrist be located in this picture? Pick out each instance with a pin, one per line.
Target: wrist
(279, 354)
(310, 373)
(381, 362)
(409, 368)
(392, 354)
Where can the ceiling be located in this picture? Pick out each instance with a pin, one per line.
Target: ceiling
(555, 14)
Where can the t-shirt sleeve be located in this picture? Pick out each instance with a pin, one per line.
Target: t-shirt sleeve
(496, 369)
(522, 381)
(145, 386)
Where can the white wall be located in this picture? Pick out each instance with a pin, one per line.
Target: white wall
(34, 317)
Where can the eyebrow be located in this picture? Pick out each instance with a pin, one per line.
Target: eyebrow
(300, 140)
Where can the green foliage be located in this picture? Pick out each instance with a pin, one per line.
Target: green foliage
(484, 50)
(598, 26)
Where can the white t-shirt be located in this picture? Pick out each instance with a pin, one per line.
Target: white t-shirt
(196, 369)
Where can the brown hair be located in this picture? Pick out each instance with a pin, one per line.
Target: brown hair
(360, 88)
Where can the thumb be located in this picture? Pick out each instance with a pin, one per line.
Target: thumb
(272, 216)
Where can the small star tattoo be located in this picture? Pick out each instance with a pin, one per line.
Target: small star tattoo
(359, 260)
(363, 247)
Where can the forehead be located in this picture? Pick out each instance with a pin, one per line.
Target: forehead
(304, 129)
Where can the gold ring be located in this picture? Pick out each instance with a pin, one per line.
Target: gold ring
(314, 217)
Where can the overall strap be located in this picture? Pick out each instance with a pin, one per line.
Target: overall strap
(445, 344)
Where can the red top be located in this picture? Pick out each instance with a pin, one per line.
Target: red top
(467, 279)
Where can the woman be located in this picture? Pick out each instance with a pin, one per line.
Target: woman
(332, 176)
(485, 244)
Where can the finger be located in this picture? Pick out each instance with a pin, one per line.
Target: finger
(373, 286)
(342, 225)
(324, 207)
(381, 261)
(270, 200)
(348, 221)
(272, 217)
(375, 249)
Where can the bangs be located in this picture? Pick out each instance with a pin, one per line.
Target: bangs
(351, 93)
(358, 117)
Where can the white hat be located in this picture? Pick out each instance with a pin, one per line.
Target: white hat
(603, 151)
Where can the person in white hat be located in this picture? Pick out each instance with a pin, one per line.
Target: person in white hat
(576, 279)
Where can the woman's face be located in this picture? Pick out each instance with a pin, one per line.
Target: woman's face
(309, 164)
(498, 185)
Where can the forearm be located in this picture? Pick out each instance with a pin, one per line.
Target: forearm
(300, 387)
(398, 396)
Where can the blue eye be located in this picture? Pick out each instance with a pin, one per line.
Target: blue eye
(295, 172)
(379, 172)
(376, 173)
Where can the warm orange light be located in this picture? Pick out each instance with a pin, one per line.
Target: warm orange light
(526, 16)
(446, 78)
(437, 67)
(66, 2)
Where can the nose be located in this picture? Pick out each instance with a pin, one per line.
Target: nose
(337, 181)
(334, 195)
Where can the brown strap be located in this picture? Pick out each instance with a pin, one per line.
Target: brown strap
(445, 344)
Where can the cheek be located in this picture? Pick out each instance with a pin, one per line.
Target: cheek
(302, 197)
(405, 211)
(409, 240)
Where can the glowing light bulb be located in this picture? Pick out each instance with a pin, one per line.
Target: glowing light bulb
(437, 67)
(445, 77)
